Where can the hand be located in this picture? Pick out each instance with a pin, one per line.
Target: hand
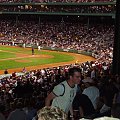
(72, 118)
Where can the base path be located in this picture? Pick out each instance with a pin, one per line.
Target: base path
(77, 57)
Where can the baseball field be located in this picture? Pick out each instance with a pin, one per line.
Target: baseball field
(15, 59)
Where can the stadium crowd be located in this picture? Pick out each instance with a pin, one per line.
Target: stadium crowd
(66, 1)
(69, 9)
(97, 39)
(22, 96)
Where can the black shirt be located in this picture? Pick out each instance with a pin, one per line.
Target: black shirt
(84, 102)
(108, 91)
(5, 72)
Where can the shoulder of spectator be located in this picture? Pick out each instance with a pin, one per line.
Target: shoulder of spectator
(58, 90)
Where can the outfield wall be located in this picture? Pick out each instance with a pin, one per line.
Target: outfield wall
(88, 53)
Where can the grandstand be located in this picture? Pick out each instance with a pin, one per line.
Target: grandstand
(47, 1)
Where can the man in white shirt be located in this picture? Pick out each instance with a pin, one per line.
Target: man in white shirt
(64, 93)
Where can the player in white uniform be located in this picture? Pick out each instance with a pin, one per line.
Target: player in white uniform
(63, 94)
(39, 48)
(24, 45)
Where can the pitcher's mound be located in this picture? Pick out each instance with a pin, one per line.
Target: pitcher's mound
(32, 56)
(40, 56)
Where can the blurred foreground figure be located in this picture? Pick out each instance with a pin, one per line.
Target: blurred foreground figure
(51, 113)
(115, 112)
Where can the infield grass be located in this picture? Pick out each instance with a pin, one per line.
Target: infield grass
(10, 52)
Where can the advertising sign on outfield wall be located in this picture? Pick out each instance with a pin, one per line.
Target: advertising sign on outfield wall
(65, 50)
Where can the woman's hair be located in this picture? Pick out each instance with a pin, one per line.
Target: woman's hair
(51, 113)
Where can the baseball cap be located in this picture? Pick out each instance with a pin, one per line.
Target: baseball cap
(87, 80)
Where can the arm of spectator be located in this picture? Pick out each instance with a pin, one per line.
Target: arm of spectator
(97, 103)
(116, 91)
(100, 103)
(114, 99)
(10, 117)
(57, 91)
(49, 98)
(71, 113)
(81, 112)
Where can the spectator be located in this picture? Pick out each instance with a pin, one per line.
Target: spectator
(84, 105)
(2, 108)
(6, 72)
(64, 93)
(116, 111)
(18, 114)
(56, 1)
(30, 109)
(53, 113)
(91, 91)
(108, 94)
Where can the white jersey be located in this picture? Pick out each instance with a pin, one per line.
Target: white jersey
(24, 45)
(38, 47)
(65, 96)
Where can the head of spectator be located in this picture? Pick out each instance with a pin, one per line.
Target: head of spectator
(74, 75)
(87, 81)
(51, 113)
(6, 71)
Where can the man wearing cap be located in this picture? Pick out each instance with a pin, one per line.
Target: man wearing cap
(91, 91)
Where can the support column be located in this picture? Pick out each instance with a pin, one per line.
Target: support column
(116, 51)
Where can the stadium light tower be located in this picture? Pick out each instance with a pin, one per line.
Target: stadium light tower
(116, 51)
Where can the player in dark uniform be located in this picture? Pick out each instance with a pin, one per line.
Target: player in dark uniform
(33, 51)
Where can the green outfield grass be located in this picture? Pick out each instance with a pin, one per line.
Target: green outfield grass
(4, 55)
(9, 52)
